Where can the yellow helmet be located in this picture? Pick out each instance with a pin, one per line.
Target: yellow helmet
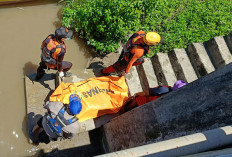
(152, 38)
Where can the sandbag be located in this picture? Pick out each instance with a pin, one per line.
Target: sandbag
(100, 95)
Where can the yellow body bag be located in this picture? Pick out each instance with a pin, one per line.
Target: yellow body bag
(100, 95)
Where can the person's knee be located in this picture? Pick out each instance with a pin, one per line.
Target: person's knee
(66, 65)
(70, 64)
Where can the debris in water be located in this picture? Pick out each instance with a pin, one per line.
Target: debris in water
(11, 148)
(13, 132)
(17, 136)
(20, 8)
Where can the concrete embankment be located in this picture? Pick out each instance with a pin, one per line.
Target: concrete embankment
(202, 105)
(199, 106)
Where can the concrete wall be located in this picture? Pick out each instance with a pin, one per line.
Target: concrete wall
(201, 105)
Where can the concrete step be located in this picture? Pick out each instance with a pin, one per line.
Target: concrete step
(163, 69)
(133, 81)
(218, 51)
(142, 77)
(182, 66)
(200, 59)
(149, 73)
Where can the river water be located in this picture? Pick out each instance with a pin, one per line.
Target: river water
(22, 29)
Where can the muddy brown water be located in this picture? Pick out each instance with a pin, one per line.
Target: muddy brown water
(22, 29)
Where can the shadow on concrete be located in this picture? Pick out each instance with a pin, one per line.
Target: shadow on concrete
(49, 94)
(90, 150)
(102, 120)
(96, 67)
(31, 121)
(97, 71)
(46, 77)
(30, 69)
(228, 41)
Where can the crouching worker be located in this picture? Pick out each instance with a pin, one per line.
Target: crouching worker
(133, 52)
(60, 121)
(53, 51)
(151, 94)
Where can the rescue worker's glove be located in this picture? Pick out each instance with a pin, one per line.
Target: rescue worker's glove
(31, 133)
(61, 74)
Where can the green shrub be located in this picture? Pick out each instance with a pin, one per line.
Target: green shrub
(104, 23)
(198, 21)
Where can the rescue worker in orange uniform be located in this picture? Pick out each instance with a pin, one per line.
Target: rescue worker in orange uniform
(132, 54)
(53, 51)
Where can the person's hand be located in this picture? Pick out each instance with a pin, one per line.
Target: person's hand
(124, 74)
(31, 133)
(139, 94)
(61, 74)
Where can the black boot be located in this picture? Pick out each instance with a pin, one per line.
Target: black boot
(39, 76)
(40, 71)
(105, 74)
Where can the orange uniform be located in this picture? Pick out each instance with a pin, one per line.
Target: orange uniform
(52, 56)
(137, 50)
(53, 52)
(152, 96)
(147, 96)
(132, 54)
